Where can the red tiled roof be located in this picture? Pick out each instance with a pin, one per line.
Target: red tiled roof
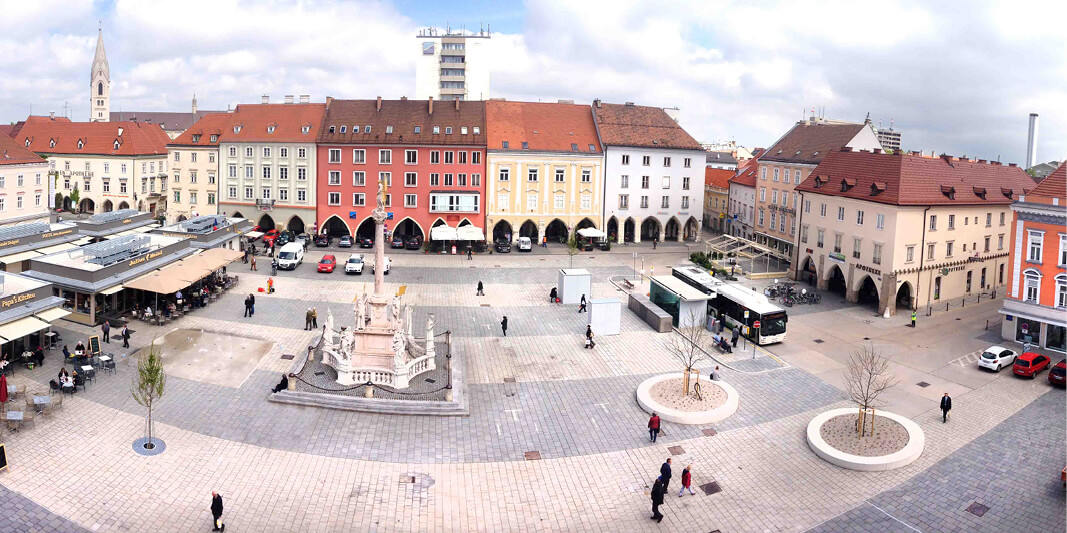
(214, 124)
(97, 138)
(640, 126)
(809, 143)
(288, 120)
(13, 153)
(7, 130)
(543, 126)
(718, 177)
(1054, 185)
(747, 174)
(915, 180)
(403, 116)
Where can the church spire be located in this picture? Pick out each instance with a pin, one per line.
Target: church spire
(100, 84)
(100, 65)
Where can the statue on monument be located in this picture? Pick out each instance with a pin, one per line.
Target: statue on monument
(396, 309)
(361, 312)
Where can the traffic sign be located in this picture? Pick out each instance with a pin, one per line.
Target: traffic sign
(746, 314)
(756, 324)
(1025, 327)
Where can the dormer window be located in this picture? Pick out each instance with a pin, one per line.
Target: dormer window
(27, 143)
(52, 143)
(270, 129)
(847, 184)
(504, 144)
(798, 152)
(463, 130)
(343, 128)
(574, 147)
(877, 188)
(525, 145)
(1006, 192)
(196, 138)
(332, 129)
(81, 144)
(237, 129)
(448, 130)
(214, 138)
(437, 130)
(477, 130)
(779, 152)
(366, 129)
(305, 129)
(418, 130)
(980, 192)
(388, 130)
(592, 148)
(949, 192)
(117, 144)
(819, 180)
(815, 154)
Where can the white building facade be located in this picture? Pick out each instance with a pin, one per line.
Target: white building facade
(654, 194)
(452, 66)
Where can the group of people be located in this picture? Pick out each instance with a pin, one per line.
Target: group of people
(311, 319)
(67, 382)
(662, 485)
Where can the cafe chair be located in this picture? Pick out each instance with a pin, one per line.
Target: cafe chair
(53, 388)
(28, 416)
(57, 401)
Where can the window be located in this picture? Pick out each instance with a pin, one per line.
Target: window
(841, 213)
(250, 172)
(461, 180)
(644, 182)
(1000, 241)
(448, 180)
(462, 157)
(1001, 218)
(879, 221)
(820, 238)
(266, 152)
(1033, 286)
(988, 220)
(210, 198)
(358, 199)
(624, 201)
(359, 179)
(774, 196)
(476, 157)
(837, 242)
(1063, 249)
(948, 248)
(560, 174)
(366, 129)
(804, 233)
(775, 174)
(122, 186)
(411, 179)
(558, 202)
(785, 198)
(385, 157)
(448, 130)
(283, 152)
(233, 151)
(411, 157)
(859, 218)
(665, 202)
(587, 176)
(448, 158)
(177, 156)
(502, 201)
(177, 178)
(301, 153)
(335, 177)
(1061, 291)
(410, 200)
(301, 174)
(687, 162)
(666, 161)
(952, 222)
(476, 180)
(763, 173)
(531, 174)
(18, 203)
(774, 219)
(526, 146)
(107, 186)
(248, 151)
(876, 258)
(531, 202)
(435, 157)
(625, 159)
(386, 178)
(786, 179)
(822, 210)
(283, 173)
(930, 248)
(646, 160)
(266, 193)
(624, 182)
(504, 174)
(301, 195)
(283, 194)
(761, 216)
(192, 197)
(685, 183)
(587, 202)
(248, 193)
(644, 202)
(333, 198)
(192, 176)
(1034, 238)
(435, 180)
(685, 202)
(266, 172)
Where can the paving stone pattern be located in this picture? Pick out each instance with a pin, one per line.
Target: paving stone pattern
(19, 514)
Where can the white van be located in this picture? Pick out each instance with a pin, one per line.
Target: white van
(290, 256)
(525, 244)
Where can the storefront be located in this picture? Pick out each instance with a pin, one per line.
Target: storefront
(20, 243)
(27, 309)
(209, 231)
(90, 279)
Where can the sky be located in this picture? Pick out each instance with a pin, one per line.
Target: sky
(954, 78)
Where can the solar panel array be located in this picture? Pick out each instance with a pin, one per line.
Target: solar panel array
(116, 250)
(203, 224)
(23, 230)
(112, 216)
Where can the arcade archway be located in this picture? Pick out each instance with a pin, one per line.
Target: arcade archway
(613, 229)
(837, 281)
(670, 232)
(365, 230)
(295, 225)
(692, 229)
(335, 227)
(529, 229)
(650, 229)
(502, 231)
(266, 223)
(628, 229)
(904, 295)
(557, 231)
(408, 228)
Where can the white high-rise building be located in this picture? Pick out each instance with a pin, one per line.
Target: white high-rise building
(453, 65)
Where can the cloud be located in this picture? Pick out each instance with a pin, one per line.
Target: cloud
(961, 81)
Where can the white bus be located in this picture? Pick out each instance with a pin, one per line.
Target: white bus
(732, 302)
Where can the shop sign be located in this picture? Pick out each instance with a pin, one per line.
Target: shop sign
(872, 270)
(145, 258)
(59, 233)
(18, 299)
(834, 256)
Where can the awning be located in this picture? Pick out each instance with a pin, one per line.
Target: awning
(470, 233)
(21, 327)
(53, 314)
(254, 234)
(111, 290)
(19, 257)
(443, 233)
(212, 259)
(592, 233)
(157, 282)
(55, 249)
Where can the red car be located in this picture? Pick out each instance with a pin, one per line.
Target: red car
(1058, 374)
(270, 236)
(1030, 364)
(327, 264)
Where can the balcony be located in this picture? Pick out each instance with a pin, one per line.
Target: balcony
(264, 205)
(461, 64)
(453, 91)
(447, 52)
(454, 78)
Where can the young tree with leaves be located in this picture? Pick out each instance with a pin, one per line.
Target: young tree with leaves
(866, 378)
(75, 198)
(149, 383)
(572, 248)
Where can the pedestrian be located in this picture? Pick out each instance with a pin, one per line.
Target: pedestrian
(282, 385)
(216, 512)
(665, 474)
(735, 335)
(248, 306)
(252, 304)
(913, 318)
(125, 336)
(245, 257)
(552, 295)
(544, 241)
(946, 406)
(270, 285)
(653, 427)
(481, 291)
(274, 267)
(687, 480)
(470, 255)
(581, 305)
(655, 241)
(106, 329)
(658, 490)
(253, 267)
(715, 374)
(589, 337)
(314, 318)
(307, 320)
(504, 325)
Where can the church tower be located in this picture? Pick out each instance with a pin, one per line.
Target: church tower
(100, 87)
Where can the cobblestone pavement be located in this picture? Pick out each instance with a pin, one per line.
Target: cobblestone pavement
(291, 468)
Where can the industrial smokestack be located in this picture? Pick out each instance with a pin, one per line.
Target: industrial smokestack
(1031, 142)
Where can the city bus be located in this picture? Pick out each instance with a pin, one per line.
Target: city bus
(732, 302)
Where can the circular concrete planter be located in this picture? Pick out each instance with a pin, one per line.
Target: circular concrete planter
(911, 451)
(721, 412)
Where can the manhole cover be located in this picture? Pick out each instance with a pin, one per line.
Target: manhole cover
(957, 319)
(709, 432)
(532, 456)
(486, 305)
(923, 384)
(407, 479)
(320, 373)
(428, 380)
(977, 509)
(498, 266)
(676, 450)
(866, 338)
(509, 380)
(710, 488)
(288, 356)
(818, 341)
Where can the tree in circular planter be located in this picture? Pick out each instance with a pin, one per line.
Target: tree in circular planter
(866, 378)
(148, 386)
(690, 345)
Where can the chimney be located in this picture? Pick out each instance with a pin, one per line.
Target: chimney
(846, 148)
(982, 161)
(378, 107)
(305, 98)
(597, 103)
(431, 105)
(288, 98)
(457, 103)
(329, 100)
(877, 150)
(266, 99)
(1031, 142)
(194, 103)
(403, 98)
(51, 115)
(629, 104)
(1013, 165)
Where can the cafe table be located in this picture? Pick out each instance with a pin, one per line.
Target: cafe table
(41, 401)
(13, 416)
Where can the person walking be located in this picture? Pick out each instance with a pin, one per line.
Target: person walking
(655, 241)
(274, 267)
(665, 474)
(314, 318)
(946, 406)
(125, 336)
(687, 480)
(735, 335)
(552, 295)
(470, 255)
(913, 318)
(307, 320)
(658, 490)
(653, 427)
(544, 241)
(504, 325)
(251, 304)
(216, 512)
(581, 305)
(270, 285)
(106, 329)
(481, 291)
(589, 337)
(248, 306)
(253, 266)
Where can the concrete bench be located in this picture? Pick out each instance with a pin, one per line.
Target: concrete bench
(651, 313)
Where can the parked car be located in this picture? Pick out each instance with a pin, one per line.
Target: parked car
(525, 244)
(304, 239)
(284, 238)
(270, 236)
(585, 245)
(397, 242)
(257, 228)
(1030, 364)
(1058, 374)
(345, 242)
(322, 240)
(503, 246)
(414, 243)
(366, 242)
(603, 244)
(354, 265)
(385, 271)
(290, 255)
(327, 263)
(996, 357)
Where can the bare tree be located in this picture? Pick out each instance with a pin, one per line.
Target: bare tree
(148, 384)
(866, 378)
(690, 344)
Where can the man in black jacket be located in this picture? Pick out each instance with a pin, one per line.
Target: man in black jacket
(946, 406)
(658, 490)
(216, 512)
(665, 474)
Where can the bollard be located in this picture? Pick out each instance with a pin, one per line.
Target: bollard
(369, 391)
(292, 382)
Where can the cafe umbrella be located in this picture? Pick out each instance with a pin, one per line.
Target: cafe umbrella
(3, 389)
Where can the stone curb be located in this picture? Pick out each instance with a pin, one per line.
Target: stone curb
(911, 452)
(722, 412)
